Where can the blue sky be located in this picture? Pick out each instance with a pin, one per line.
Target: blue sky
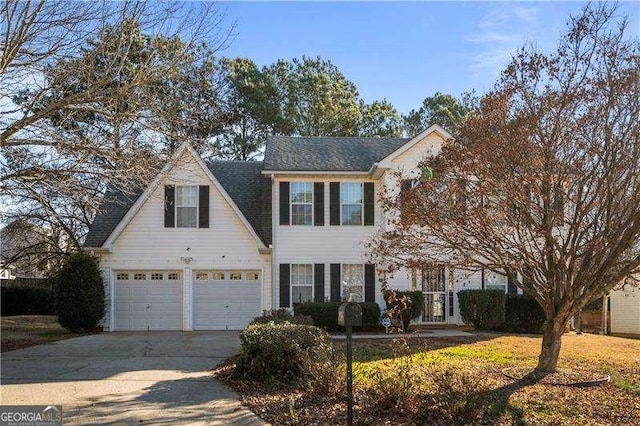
(403, 51)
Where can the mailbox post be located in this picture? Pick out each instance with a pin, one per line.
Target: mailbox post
(350, 315)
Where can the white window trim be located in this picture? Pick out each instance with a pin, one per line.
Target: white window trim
(342, 281)
(197, 206)
(361, 204)
(291, 203)
(312, 285)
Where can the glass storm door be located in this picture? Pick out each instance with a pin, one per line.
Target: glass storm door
(435, 296)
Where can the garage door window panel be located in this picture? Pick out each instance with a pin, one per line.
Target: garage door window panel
(139, 276)
(202, 276)
(235, 276)
(301, 283)
(122, 276)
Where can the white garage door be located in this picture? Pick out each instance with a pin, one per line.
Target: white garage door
(225, 300)
(148, 300)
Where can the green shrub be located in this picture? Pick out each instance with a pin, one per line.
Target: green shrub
(404, 305)
(325, 314)
(280, 316)
(283, 353)
(523, 314)
(484, 309)
(79, 293)
(27, 301)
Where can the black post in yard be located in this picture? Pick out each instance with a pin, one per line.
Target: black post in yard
(349, 315)
(349, 380)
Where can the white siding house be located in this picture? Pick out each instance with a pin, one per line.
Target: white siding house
(209, 245)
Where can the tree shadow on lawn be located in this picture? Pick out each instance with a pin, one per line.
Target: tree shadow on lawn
(497, 400)
(368, 350)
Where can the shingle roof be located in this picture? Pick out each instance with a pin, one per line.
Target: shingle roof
(242, 180)
(249, 189)
(285, 153)
(114, 206)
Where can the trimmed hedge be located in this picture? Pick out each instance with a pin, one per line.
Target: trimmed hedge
(27, 301)
(484, 309)
(80, 296)
(523, 314)
(282, 353)
(325, 314)
(281, 316)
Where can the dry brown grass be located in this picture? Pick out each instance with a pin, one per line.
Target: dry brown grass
(22, 331)
(506, 402)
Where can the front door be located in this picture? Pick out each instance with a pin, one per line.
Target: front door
(432, 280)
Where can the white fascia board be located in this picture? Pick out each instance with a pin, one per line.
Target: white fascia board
(385, 163)
(143, 198)
(156, 182)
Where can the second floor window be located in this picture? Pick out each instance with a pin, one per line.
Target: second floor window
(351, 203)
(301, 203)
(186, 206)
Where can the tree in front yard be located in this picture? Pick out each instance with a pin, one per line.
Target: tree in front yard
(543, 182)
(80, 296)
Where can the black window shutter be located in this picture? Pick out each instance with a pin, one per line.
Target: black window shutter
(369, 196)
(318, 203)
(318, 282)
(370, 283)
(169, 206)
(203, 206)
(284, 203)
(285, 291)
(334, 203)
(335, 282)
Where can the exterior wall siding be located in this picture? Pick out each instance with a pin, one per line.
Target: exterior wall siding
(625, 311)
(145, 244)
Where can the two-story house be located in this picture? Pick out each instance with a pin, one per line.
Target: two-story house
(209, 245)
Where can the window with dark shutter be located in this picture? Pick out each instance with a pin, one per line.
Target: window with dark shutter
(285, 278)
(370, 283)
(335, 282)
(318, 282)
(169, 206)
(284, 203)
(369, 197)
(203, 206)
(334, 203)
(318, 203)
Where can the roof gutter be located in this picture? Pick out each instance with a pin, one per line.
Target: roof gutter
(97, 249)
(314, 172)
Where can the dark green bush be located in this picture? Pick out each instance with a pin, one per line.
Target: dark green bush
(325, 314)
(283, 353)
(484, 309)
(280, 316)
(523, 314)
(79, 293)
(27, 301)
(404, 305)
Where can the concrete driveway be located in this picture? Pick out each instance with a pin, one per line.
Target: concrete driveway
(127, 378)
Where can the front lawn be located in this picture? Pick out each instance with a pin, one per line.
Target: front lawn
(22, 331)
(444, 381)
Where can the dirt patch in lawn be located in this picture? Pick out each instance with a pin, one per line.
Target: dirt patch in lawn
(22, 331)
(472, 373)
